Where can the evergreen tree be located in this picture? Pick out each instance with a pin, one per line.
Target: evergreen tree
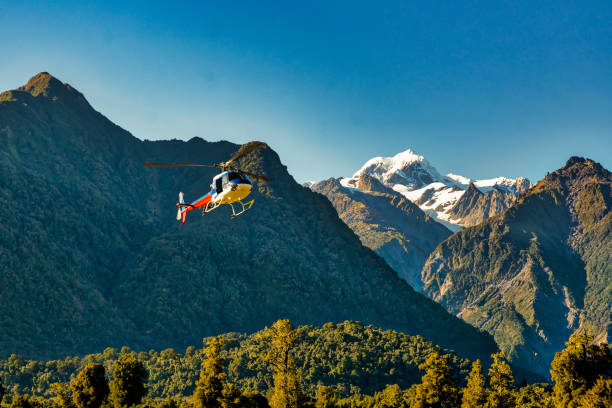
(278, 341)
(576, 368)
(62, 399)
(21, 401)
(232, 397)
(391, 397)
(128, 384)
(253, 399)
(475, 392)
(500, 378)
(599, 396)
(534, 396)
(326, 397)
(89, 387)
(209, 388)
(438, 388)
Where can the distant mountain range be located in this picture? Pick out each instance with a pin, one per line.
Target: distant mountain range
(442, 196)
(91, 255)
(534, 264)
(402, 207)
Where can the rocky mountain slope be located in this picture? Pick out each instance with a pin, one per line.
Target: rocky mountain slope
(386, 222)
(91, 255)
(440, 196)
(536, 272)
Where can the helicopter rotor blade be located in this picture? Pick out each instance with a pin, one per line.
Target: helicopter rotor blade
(217, 166)
(155, 164)
(243, 151)
(253, 175)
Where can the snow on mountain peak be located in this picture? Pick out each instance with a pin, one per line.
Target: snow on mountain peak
(411, 175)
(406, 168)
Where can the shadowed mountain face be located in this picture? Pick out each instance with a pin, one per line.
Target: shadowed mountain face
(91, 255)
(386, 222)
(536, 272)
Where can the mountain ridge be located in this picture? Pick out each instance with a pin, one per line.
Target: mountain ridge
(414, 177)
(97, 259)
(537, 271)
(386, 222)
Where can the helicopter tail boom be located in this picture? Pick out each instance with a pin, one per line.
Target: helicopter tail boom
(184, 207)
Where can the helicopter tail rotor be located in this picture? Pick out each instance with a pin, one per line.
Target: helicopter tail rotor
(181, 215)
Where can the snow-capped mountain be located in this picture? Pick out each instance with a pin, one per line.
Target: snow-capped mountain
(405, 168)
(438, 195)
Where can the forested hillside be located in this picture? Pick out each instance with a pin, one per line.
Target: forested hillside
(538, 271)
(346, 365)
(91, 255)
(350, 356)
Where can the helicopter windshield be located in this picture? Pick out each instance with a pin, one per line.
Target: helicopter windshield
(234, 176)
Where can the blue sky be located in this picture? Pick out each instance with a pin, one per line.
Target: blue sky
(479, 88)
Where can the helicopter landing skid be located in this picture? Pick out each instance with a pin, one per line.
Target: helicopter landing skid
(209, 207)
(245, 207)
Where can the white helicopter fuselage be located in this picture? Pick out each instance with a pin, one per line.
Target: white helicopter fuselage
(231, 195)
(228, 191)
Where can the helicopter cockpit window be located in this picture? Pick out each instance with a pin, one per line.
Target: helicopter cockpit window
(234, 176)
(219, 185)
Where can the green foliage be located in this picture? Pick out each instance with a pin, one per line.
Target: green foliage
(89, 388)
(351, 357)
(62, 397)
(475, 393)
(576, 368)
(128, 384)
(326, 397)
(534, 396)
(500, 373)
(438, 387)
(209, 388)
(500, 379)
(533, 274)
(253, 399)
(2, 391)
(97, 258)
(600, 396)
(278, 342)
(391, 397)
(22, 401)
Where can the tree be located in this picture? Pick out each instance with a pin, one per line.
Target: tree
(475, 393)
(438, 388)
(253, 399)
(575, 369)
(232, 397)
(278, 341)
(326, 397)
(62, 399)
(500, 378)
(391, 397)
(2, 391)
(89, 387)
(21, 401)
(209, 388)
(128, 384)
(534, 396)
(600, 396)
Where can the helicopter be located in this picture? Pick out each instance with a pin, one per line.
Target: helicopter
(229, 187)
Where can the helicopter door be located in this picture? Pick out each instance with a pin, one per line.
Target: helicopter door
(219, 185)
